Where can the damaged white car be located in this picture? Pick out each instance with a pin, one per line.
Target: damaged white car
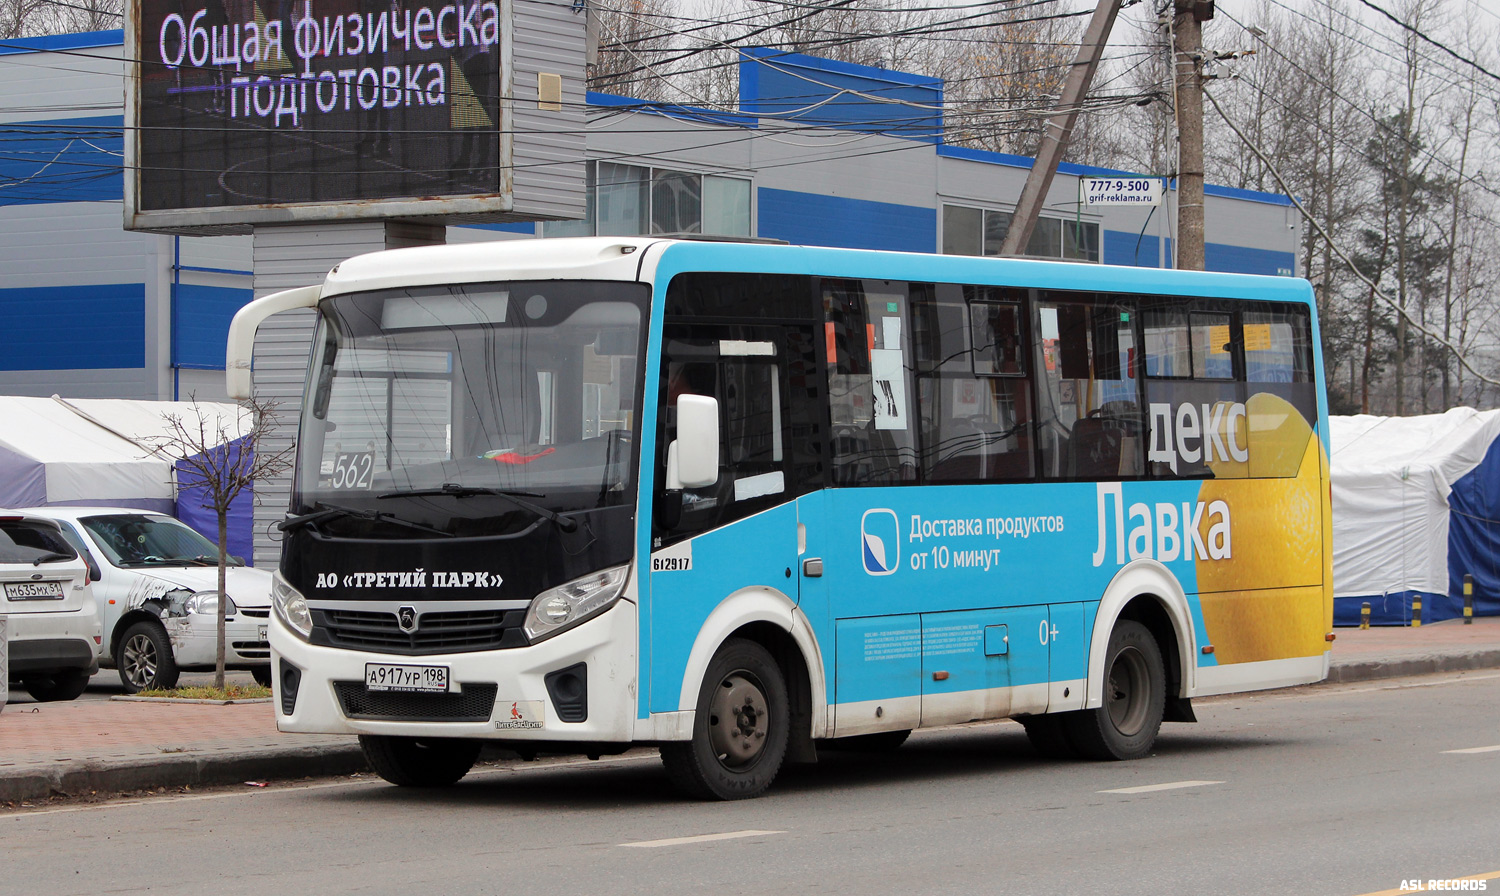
(158, 596)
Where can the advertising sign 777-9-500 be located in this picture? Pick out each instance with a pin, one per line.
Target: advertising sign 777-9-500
(247, 103)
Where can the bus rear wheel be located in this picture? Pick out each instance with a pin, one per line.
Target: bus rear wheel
(419, 761)
(1125, 726)
(740, 728)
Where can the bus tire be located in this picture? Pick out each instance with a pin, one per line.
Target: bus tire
(878, 742)
(1135, 695)
(419, 761)
(740, 728)
(1049, 735)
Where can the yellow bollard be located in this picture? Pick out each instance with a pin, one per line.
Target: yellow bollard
(1364, 615)
(1468, 599)
(1416, 610)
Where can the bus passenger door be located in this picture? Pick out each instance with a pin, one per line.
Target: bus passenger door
(740, 532)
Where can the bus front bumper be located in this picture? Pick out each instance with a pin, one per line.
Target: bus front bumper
(496, 695)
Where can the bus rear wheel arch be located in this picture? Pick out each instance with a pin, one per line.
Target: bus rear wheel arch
(1125, 725)
(741, 727)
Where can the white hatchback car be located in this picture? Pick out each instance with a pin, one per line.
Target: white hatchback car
(52, 618)
(158, 596)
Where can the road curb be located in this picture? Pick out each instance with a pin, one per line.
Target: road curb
(182, 770)
(225, 766)
(1420, 664)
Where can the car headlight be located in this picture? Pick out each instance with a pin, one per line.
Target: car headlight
(207, 603)
(563, 607)
(290, 606)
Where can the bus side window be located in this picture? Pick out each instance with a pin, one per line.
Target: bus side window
(869, 382)
(971, 384)
(1089, 418)
(1277, 347)
(752, 455)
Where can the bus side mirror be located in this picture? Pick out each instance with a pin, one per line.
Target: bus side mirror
(240, 348)
(693, 459)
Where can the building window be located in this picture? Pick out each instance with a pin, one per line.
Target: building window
(676, 202)
(975, 231)
(631, 200)
(622, 199)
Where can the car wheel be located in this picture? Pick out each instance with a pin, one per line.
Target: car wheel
(65, 685)
(262, 675)
(144, 657)
(419, 761)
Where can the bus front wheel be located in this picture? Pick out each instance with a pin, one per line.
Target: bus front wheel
(740, 728)
(419, 761)
(1125, 726)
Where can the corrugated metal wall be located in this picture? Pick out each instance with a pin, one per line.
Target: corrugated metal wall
(285, 258)
(549, 146)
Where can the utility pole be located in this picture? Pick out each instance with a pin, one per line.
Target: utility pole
(1187, 68)
(1060, 127)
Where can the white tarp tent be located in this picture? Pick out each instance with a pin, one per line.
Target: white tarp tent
(99, 451)
(1411, 512)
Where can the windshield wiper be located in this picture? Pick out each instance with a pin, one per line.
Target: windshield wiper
(330, 510)
(454, 490)
(53, 557)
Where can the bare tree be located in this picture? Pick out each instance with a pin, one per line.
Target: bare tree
(27, 18)
(636, 38)
(223, 459)
(1138, 135)
(1004, 81)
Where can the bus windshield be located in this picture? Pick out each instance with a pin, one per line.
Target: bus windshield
(471, 409)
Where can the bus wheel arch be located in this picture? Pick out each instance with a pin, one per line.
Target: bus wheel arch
(774, 621)
(1144, 591)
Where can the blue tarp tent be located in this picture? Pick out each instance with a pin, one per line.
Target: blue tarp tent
(1416, 507)
(195, 503)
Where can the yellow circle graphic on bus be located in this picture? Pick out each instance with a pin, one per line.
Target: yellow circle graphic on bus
(1259, 603)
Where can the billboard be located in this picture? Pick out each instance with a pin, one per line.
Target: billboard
(271, 111)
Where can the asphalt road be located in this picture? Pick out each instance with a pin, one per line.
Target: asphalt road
(1338, 790)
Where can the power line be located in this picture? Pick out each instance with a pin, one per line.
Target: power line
(1428, 154)
(1441, 46)
(1328, 238)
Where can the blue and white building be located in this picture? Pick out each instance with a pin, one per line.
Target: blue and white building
(820, 152)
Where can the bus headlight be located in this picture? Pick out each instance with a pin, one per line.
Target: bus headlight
(563, 607)
(290, 606)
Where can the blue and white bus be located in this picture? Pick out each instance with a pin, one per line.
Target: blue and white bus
(746, 501)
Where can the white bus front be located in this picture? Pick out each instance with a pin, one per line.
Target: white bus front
(457, 553)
